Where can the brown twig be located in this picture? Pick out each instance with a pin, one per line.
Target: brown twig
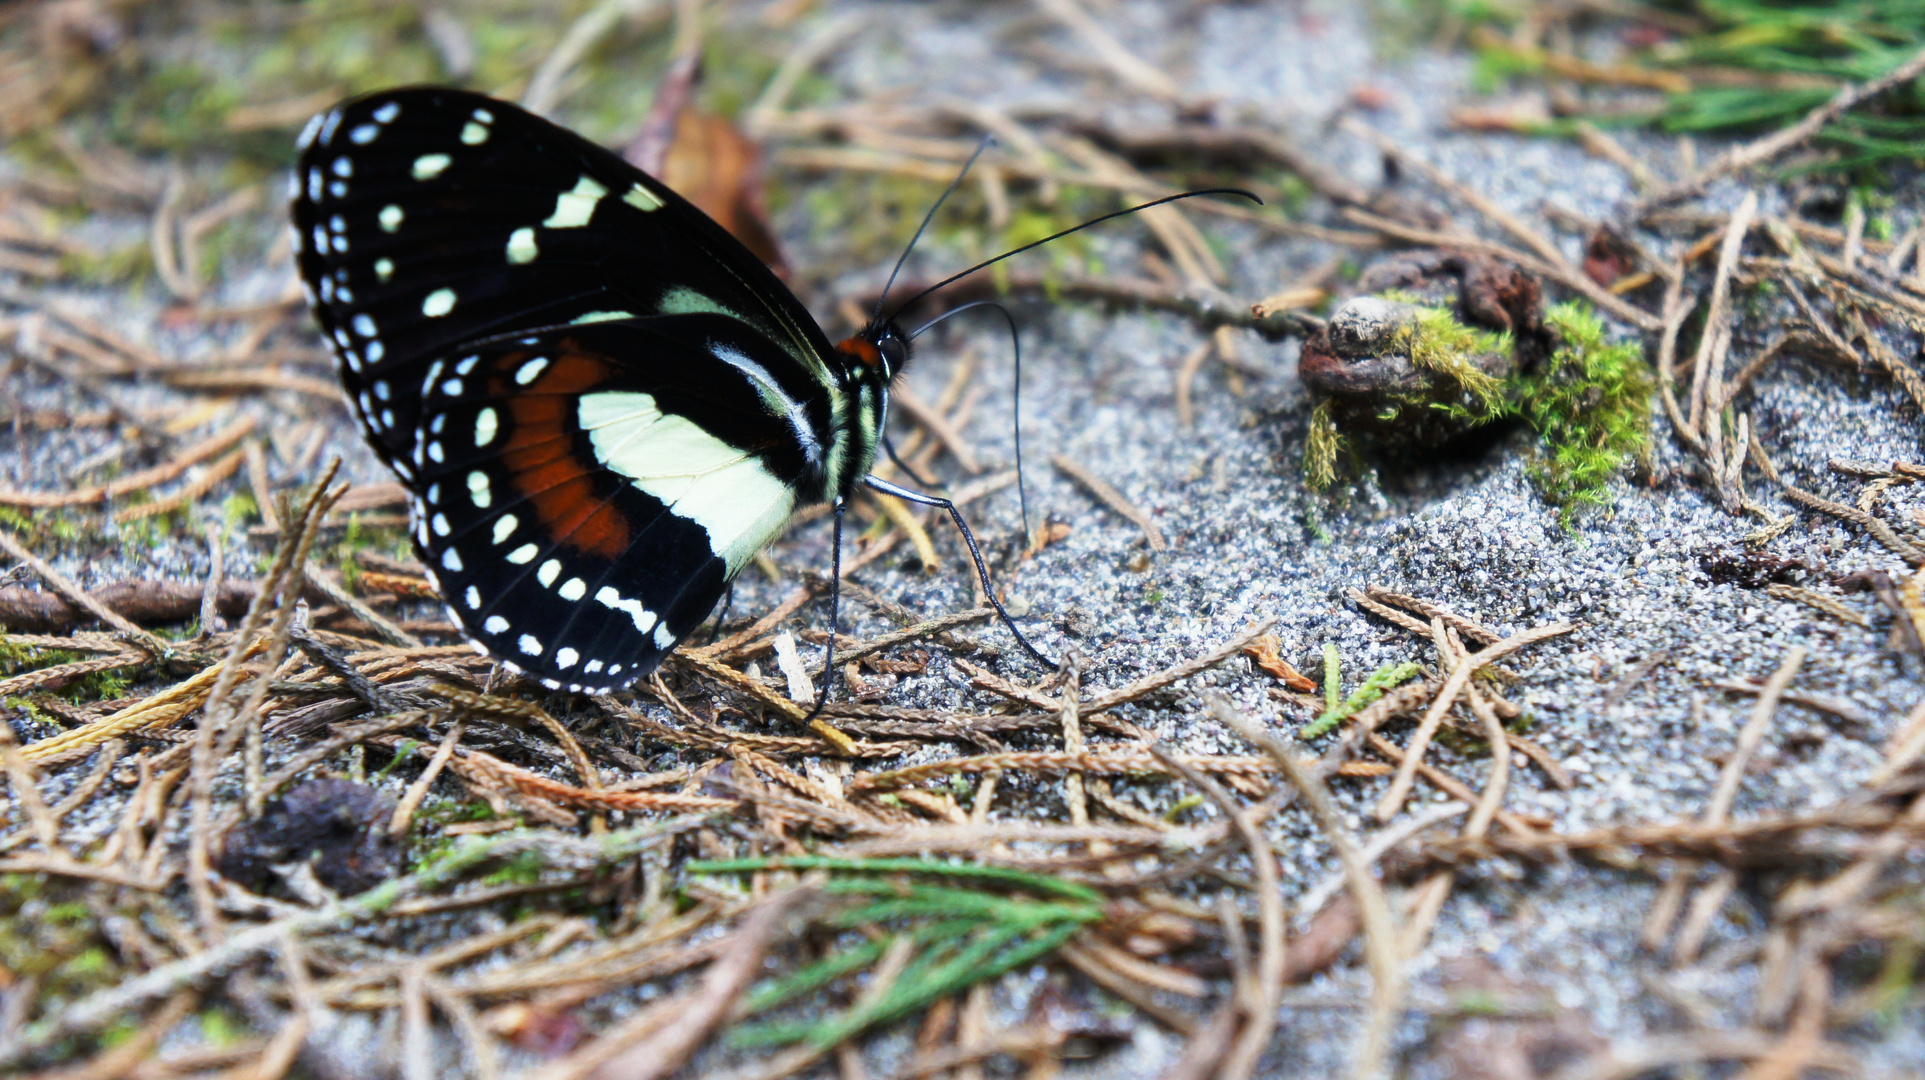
(1393, 799)
(1111, 498)
(1380, 933)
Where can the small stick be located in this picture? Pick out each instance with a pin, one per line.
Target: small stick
(257, 479)
(382, 627)
(1259, 1020)
(417, 791)
(1393, 799)
(1734, 238)
(1882, 532)
(1112, 498)
(1126, 65)
(1186, 373)
(146, 478)
(1380, 933)
(211, 592)
(1073, 741)
(216, 473)
(74, 594)
(1503, 218)
(1470, 629)
(1677, 307)
(939, 426)
(1750, 736)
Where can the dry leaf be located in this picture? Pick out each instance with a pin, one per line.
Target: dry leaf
(1266, 651)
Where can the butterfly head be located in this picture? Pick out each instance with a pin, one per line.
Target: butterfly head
(877, 353)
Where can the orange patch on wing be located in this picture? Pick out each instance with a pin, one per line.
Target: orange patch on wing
(861, 348)
(540, 454)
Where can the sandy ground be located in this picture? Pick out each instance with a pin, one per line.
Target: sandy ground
(1248, 541)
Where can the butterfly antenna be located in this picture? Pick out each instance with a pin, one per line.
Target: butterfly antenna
(953, 278)
(926, 219)
(1016, 405)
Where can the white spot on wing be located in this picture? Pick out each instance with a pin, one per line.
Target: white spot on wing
(472, 597)
(505, 527)
(390, 217)
(573, 589)
(364, 134)
(521, 247)
(486, 424)
(384, 269)
(495, 624)
(548, 572)
(452, 562)
(609, 598)
(565, 658)
(574, 208)
(478, 490)
(429, 166)
(529, 646)
(474, 134)
(386, 113)
(530, 371)
(438, 303)
(642, 199)
(523, 555)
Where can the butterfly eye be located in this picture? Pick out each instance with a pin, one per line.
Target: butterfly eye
(894, 350)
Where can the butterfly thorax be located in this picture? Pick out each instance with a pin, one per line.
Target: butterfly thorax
(870, 361)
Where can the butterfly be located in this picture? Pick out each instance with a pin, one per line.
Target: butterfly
(601, 403)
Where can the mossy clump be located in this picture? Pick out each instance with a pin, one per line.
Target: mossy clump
(1590, 402)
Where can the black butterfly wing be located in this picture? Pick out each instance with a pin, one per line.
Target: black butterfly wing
(581, 514)
(602, 403)
(428, 217)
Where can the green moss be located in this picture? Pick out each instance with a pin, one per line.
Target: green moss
(1590, 402)
(92, 686)
(1321, 448)
(239, 508)
(132, 265)
(1438, 341)
(522, 869)
(48, 933)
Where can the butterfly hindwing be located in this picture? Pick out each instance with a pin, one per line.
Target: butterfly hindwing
(587, 493)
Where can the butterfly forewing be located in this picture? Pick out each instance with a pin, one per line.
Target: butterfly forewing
(602, 404)
(428, 217)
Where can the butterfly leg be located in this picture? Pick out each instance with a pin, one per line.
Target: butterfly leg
(722, 616)
(835, 614)
(889, 448)
(975, 553)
